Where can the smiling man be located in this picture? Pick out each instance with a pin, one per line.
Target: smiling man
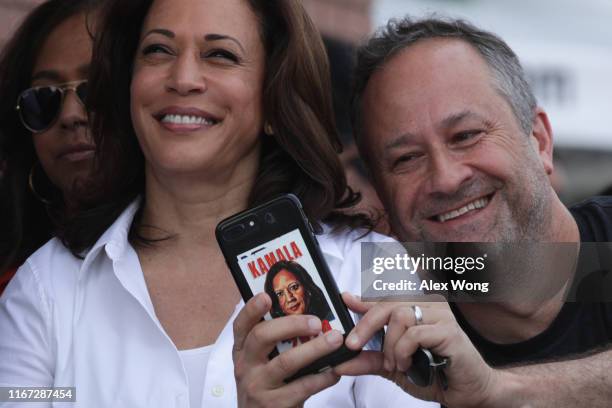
(459, 151)
(455, 155)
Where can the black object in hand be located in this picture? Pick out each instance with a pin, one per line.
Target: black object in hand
(425, 367)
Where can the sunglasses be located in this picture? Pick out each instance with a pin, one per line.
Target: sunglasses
(426, 368)
(39, 107)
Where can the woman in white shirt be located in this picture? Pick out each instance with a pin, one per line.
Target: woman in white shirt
(201, 108)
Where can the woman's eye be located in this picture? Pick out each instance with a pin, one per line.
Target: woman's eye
(224, 54)
(293, 287)
(279, 293)
(155, 49)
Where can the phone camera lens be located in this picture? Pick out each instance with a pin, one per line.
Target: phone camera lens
(234, 232)
(269, 218)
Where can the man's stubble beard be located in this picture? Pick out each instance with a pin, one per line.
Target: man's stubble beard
(525, 218)
(530, 214)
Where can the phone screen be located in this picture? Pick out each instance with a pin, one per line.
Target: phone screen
(284, 269)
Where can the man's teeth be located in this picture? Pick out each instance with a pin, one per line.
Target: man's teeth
(474, 205)
(187, 120)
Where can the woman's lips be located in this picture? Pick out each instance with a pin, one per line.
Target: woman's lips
(185, 119)
(184, 127)
(77, 153)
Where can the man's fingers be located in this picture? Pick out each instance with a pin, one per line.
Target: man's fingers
(263, 337)
(289, 362)
(367, 362)
(378, 315)
(252, 312)
(375, 319)
(355, 304)
(405, 347)
(436, 338)
(401, 318)
(371, 363)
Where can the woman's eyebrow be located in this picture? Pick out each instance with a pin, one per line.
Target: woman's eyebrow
(217, 37)
(48, 75)
(207, 37)
(162, 31)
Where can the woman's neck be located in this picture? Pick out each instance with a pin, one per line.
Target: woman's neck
(191, 209)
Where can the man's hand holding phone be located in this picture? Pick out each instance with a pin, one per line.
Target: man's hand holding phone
(471, 382)
(261, 381)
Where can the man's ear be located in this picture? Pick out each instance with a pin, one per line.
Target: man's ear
(543, 139)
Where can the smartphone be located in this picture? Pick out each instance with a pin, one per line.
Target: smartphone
(272, 248)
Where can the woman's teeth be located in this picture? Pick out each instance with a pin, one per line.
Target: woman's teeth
(187, 120)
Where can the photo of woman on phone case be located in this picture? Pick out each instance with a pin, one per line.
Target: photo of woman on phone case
(293, 291)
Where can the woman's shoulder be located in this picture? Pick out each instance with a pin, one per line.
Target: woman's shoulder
(34, 285)
(50, 263)
(51, 249)
(54, 264)
(345, 239)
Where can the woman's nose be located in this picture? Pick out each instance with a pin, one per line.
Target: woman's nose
(73, 112)
(187, 77)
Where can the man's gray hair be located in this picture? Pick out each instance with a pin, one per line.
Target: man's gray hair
(397, 35)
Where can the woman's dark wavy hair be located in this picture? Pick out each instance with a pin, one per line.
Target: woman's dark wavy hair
(26, 222)
(301, 157)
(315, 299)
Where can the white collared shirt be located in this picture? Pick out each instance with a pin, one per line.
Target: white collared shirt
(90, 323)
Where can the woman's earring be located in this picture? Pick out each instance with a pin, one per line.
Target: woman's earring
(268, 130)
(33, 189)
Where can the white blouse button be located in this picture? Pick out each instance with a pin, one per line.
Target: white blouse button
(217, 391)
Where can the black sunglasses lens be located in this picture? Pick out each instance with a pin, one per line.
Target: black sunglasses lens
(421, 372)
(39, 107)
(81, 92)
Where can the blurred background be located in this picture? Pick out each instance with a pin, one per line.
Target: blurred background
(564, 45)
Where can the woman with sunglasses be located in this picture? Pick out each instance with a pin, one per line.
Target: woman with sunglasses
(44, 137)
(201, 108)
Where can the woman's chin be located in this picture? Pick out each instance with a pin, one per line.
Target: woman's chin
(295, 311)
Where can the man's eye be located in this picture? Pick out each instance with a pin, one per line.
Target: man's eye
(406, 158)
(466, 137)
(223, 54)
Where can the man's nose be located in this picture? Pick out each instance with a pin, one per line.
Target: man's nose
(447, 173)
